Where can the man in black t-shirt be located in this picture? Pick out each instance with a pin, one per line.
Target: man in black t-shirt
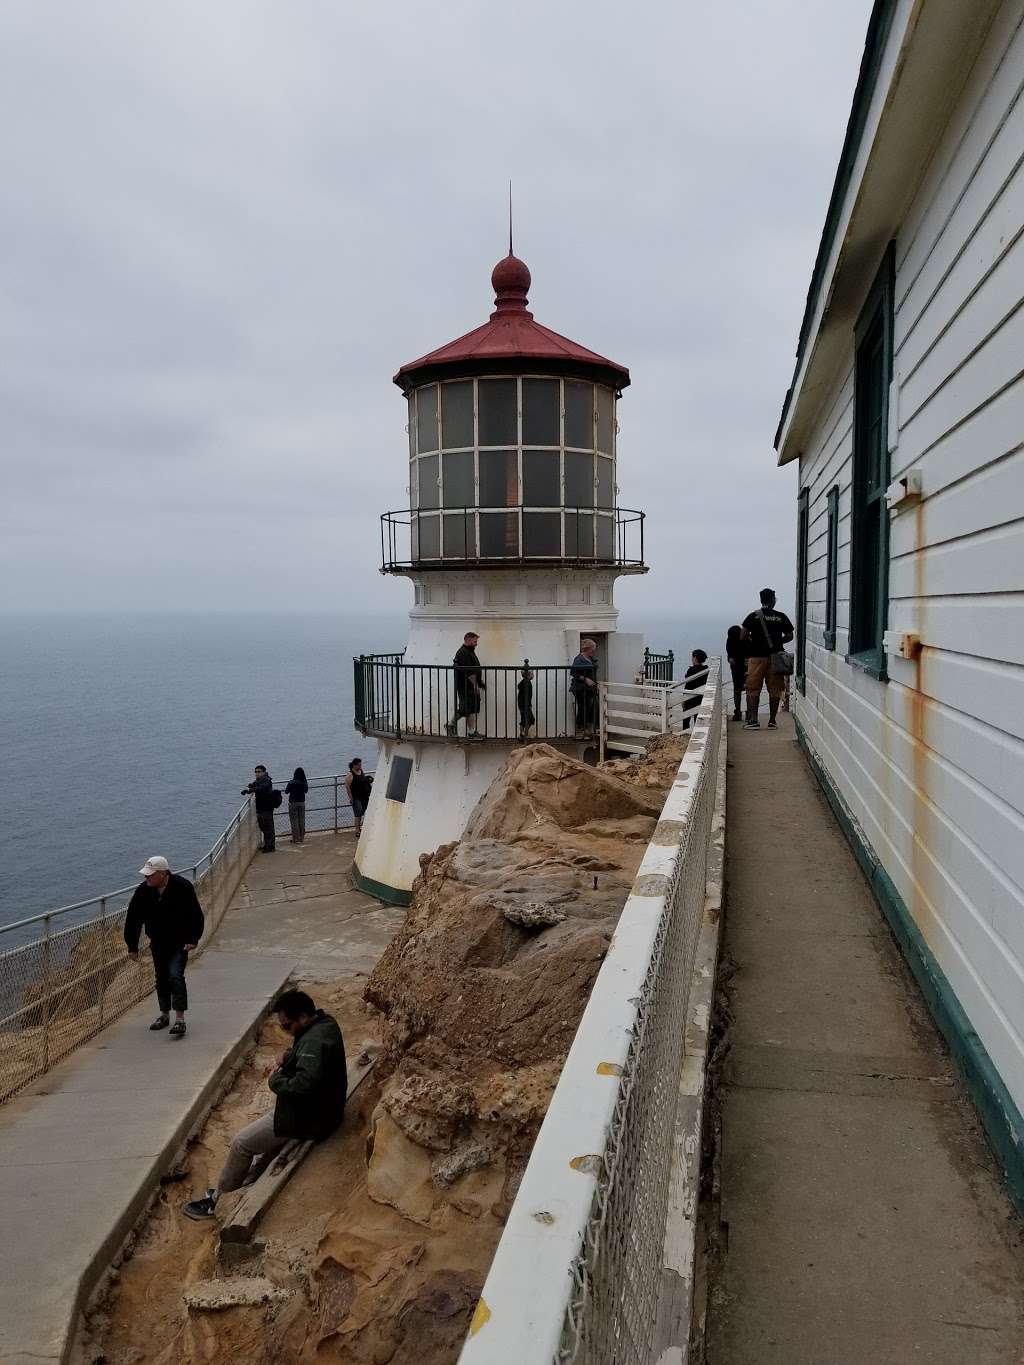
(469, 686)
(765, 632)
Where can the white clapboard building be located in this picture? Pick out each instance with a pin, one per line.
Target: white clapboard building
(906, 415)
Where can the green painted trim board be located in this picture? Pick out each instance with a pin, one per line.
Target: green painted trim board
(1001, 1118)
(391, 895)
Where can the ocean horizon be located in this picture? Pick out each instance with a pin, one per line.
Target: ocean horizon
(125, 734)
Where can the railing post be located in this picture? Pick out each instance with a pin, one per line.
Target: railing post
(664, 710)
(335, 803)
(103, 960)
(398, 700)
(46, 991)
(671, 666)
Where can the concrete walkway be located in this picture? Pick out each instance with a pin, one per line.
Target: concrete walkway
(82, 1149)
(298, 902)
(862, 1218)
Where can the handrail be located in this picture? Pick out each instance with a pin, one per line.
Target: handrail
(398, 700)
(66, 975)
(612, 536)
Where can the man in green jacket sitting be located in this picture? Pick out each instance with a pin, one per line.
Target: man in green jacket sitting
(310, 1081)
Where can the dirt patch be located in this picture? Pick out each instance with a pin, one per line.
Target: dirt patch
(376, 1250)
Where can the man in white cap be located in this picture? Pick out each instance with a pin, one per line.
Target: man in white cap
(167, 907)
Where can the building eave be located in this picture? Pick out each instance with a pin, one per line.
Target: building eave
(916, 60)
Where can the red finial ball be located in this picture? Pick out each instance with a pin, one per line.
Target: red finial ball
(510, 276)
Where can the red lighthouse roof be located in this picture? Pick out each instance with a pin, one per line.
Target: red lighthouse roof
(511, 339)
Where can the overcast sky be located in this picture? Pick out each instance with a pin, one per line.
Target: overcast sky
(225, 225)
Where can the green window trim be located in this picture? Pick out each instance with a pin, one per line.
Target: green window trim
(869, 518)
(831, 568)
(803, 531)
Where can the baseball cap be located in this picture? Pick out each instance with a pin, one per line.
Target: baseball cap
(152, 865)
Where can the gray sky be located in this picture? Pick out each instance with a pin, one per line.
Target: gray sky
(224, 226)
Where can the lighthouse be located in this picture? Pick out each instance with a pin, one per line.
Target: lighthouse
(513, 532)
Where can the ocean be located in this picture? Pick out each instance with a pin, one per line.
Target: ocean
(125, 735)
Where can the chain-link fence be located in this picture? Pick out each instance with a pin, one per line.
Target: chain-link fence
(65, 975)
(577, 1273)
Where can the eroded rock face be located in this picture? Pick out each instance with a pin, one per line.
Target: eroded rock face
(484, 985)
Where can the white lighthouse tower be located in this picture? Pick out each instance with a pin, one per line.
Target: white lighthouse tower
(514, 533)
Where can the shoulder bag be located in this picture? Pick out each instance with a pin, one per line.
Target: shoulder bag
(780, 661)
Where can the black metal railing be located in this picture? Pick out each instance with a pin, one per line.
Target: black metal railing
(396, 700)
(658, 667)
(499, 537)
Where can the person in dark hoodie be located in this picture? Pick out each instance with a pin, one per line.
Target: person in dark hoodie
(262, 789)
(167, 907)
(310, 1083)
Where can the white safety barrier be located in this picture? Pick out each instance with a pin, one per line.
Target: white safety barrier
(576, 1275)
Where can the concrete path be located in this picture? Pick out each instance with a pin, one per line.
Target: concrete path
(863, 1221)
(82, 1149)
(298, 902)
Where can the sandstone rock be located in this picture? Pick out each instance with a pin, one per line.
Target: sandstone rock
(399, 1172)
(235, 1291)
(533, 915)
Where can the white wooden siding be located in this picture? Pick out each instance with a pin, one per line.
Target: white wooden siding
(932, 761)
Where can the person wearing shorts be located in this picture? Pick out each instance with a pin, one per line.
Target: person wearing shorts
(358, 785)
(765, 632)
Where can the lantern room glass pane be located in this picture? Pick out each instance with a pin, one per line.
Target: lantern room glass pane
(499, 478)
(457, 414)
(429, 491)
(460, 535)
(430, 537)
(499, 535)
(426, 400)
(579, 479)
(605, 538)
(579, 414)
(542, 534)
(605, 420)
(579, 535)
(457, 476)
(542, 479)
(498, 419)
(605, 482)
(413, 490)
(412, 426)
(541, 416)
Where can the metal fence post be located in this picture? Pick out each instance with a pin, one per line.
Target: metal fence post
(103, 959)
(335, 803)
(46, 991)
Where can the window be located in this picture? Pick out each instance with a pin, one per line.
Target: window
(399, 778)
(429, 491)
(542, 480)
(499, 418)
(499, 478)
(605, 420)
(869, 521)
(457, 414)
(499, 535)
(457, 474)
(579, 414)
(831, 567)
(542, 534)
(605, 491)
(427, 420)
(541, 417)
(803, 526)
(579, 479)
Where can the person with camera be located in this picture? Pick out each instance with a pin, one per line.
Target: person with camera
(266, 800)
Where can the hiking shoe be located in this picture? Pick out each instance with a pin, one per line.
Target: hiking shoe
(178, 1029)
(200, 1209)
(752, 725)
(161, 1021)
(772, 725)
(450, 730)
